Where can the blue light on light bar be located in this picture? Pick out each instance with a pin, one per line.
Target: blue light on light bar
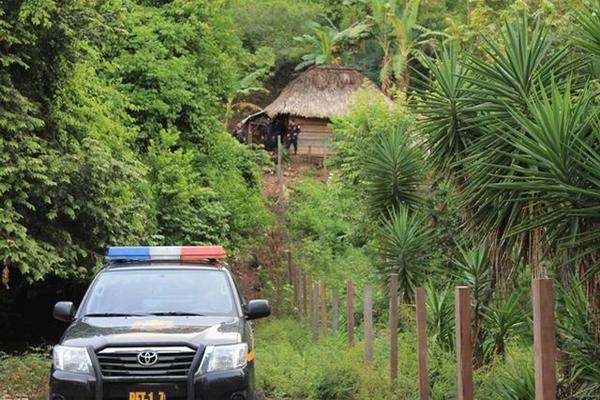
(128, 253)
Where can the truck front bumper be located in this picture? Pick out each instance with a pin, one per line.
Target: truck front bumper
(237, 384)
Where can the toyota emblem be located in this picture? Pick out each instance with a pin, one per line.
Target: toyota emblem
(147, 358)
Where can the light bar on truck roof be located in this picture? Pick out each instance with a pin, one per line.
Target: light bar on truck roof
(165, 253)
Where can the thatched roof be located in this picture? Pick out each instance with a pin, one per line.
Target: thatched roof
(322, 91)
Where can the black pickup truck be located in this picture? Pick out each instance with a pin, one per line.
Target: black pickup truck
(158, 323)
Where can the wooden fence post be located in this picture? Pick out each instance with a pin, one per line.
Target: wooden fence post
(422, 344)
(324, 322)
(368, 322)
(315, 311)
(305, 295)
(290, 274)
(335, 311)
(280, 182)
(464, 350)
(544, 339)
(293, 276)
(394, 330)
(350, 312)
(299, 275)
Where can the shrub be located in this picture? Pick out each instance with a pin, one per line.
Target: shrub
(337, 382)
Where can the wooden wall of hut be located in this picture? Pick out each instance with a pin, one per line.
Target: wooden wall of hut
(316, 134)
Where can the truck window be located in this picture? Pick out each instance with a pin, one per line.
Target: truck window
(161, 291)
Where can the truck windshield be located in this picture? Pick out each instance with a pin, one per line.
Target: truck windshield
(160, 292)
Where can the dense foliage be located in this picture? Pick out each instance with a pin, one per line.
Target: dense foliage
(487, 179)
(484, 172)
(111, 122)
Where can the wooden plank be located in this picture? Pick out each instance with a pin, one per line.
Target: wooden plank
(315, 311)
(315, 142)
(422, 344)
(335, 311)
(350, 312)
(368, 324)
(302, 120)
(324, 322)
(393, 330)
(544, 339)
(464, 351)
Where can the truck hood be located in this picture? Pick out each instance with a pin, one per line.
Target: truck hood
(101, 332)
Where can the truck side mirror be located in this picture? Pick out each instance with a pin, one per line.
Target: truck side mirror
(256, 309)
(64, 311)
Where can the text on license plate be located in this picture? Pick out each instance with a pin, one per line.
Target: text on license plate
(147, 396)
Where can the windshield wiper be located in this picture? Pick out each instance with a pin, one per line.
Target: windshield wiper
(177, 313)
(112, 314)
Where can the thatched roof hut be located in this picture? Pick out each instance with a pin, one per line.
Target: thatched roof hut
(322, 91)
(314, 97)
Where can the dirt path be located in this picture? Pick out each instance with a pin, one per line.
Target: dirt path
(268, 252)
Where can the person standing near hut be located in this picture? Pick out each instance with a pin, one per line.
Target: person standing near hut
(292, 136)
(239, 133)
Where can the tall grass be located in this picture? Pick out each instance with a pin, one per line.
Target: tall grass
(290, 366)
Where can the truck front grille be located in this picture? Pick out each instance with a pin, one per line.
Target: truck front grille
(172, 362)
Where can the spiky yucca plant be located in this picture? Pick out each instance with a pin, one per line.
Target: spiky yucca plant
(530, 167)
(404, 244)
(442, 103)
(518, 384)
(393, 172)
(504, 318)
(473, 269)
(589, 37)
(440, 315)
(518, 66)
(557, 163)
(577, 333)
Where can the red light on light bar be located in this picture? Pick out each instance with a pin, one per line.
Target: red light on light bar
(194, 253)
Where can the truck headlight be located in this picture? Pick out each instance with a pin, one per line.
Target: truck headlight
(72, 359)
(219, 358)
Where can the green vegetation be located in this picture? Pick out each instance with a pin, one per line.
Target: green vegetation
(112, 131)
(291, 366)
(483, 172)
(493, 183)
(26, 375)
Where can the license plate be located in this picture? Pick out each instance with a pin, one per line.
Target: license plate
(147, 396)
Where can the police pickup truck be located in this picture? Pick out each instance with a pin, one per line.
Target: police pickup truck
(158, 323)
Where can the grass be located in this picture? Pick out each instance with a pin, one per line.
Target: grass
(290, 366)
(25, 375)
